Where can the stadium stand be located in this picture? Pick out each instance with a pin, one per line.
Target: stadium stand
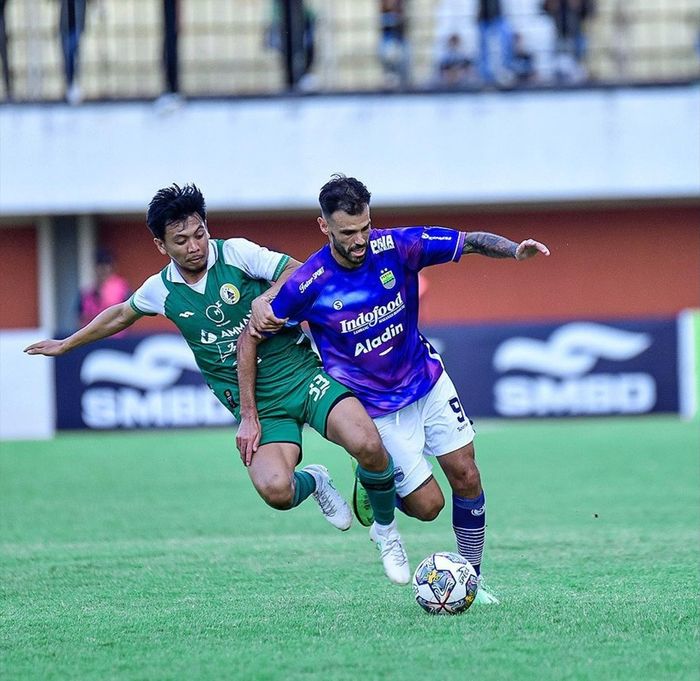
(223, 51)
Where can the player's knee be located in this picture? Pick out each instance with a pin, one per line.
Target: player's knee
(426, 503)
(430, 509)
(277, 493)
(369, 451)
(468, 482)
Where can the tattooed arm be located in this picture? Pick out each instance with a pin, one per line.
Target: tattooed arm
(495, 246)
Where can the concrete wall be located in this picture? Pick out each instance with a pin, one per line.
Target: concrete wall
(448, 150)
(616, 262)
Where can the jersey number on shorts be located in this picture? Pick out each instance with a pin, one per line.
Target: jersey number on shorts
(318, 387)
(457, 409)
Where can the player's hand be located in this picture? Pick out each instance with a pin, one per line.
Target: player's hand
(262, 318)
(48, 347)
(529, 249)
(248, 438)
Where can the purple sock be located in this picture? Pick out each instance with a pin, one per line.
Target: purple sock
(469, 524)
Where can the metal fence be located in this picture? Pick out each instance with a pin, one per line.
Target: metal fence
(236, 47)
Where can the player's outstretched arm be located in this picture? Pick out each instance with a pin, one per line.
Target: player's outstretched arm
(495, 246)
(248, 435)
(110, 321)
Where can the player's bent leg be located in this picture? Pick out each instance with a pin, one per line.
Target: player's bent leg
(468, 511)
(273, 476)
(349, 426)
(272, 473)
(468, 503)
(462, 472)
(425, 502)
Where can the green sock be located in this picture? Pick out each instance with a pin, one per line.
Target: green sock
(381, 492)
(304, 484)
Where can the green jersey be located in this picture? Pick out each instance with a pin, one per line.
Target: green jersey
(212, 313)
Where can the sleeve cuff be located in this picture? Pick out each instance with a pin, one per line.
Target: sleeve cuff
(460, 247)
(280, 267)
(141, 313)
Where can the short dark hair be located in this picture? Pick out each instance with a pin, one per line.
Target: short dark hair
(343, 193)
(174, 204)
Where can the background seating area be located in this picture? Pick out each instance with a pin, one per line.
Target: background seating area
(225, 47)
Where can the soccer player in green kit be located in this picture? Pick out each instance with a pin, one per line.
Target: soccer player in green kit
(206, 291)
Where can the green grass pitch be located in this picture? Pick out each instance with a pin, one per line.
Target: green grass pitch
(149, 556)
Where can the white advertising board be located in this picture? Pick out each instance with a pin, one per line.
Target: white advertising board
(26, 388)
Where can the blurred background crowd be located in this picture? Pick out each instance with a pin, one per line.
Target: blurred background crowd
(168, 49)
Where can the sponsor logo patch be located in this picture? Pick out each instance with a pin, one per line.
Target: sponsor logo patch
(433, 237)
(373, 343)
(387, 278)
(216, 314)
(305, 284)
(226, 349)
(229, 294)
(229, 398)
(377, 315)
(383, 243)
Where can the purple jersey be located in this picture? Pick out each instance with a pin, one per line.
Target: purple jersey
(365, 320)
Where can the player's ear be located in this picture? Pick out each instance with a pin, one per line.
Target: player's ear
(323, 225)
(160, 246)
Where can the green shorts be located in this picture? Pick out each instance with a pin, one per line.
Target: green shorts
(309, 400)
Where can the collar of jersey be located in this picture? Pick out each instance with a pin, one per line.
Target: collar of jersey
(174, 273)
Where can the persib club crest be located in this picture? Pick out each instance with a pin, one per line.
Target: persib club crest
(229, 294)
(387, 278)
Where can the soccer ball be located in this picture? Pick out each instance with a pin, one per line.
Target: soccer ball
(445, 584)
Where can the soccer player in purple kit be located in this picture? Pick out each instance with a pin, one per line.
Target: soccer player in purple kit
(359, 295)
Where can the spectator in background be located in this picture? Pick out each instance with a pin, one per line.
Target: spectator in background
(523, 62)
(3, 53)
(620, 40)
(494, 27)
(292, 32)
(569, 17)
(71, 27)
(109, 289)
(393, 47)
(454, 65)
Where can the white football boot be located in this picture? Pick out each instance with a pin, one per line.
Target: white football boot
(334, 508)
(484, 595)
(393, 555)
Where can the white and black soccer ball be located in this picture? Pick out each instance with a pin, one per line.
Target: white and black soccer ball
(445, 583)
